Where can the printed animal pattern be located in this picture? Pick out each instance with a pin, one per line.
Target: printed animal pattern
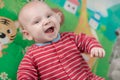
(1, 4)
(7, 32)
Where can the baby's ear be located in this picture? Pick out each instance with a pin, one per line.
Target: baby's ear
(59, 17)
(59, 14)
(22, 30)
(26, 34)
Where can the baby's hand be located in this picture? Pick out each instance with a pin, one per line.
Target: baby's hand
(97, 52)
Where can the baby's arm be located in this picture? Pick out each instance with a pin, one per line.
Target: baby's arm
(88, 44)
(26, 70)
(97, 52)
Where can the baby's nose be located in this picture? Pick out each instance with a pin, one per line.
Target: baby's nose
(46, 22)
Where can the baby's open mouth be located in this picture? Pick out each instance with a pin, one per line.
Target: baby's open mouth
(50, 30)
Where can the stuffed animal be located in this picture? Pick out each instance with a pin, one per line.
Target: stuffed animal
(114, 72)
(116, 47)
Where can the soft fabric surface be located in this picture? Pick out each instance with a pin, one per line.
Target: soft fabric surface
(97, 18)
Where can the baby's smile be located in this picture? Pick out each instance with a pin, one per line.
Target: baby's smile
(50, 29)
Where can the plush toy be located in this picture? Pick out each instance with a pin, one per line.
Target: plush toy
(114, 72)
(116, 47)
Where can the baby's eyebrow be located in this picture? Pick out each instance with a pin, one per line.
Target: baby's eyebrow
(37, 18)
(48, 13)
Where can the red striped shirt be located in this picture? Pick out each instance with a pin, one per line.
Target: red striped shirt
(59, 60)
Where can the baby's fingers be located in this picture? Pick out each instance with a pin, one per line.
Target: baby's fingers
(101, 53)
(94, 53)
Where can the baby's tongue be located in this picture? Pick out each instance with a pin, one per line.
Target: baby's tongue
(49, 30)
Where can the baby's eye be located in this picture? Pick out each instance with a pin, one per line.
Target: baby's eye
(35, 22)
(48, 16)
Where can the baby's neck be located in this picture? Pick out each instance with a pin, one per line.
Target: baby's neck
(49, 42)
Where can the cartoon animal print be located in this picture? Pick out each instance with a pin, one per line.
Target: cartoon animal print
(1, 4)
(114, 70)
(7, 32)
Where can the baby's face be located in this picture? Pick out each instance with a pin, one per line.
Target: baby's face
(40, 22)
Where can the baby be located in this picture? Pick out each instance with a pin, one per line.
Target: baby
(54, 56)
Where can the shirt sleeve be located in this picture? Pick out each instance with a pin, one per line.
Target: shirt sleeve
(27, 70)
(85, 43)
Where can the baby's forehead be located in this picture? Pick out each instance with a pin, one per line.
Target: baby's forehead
(35, 4)
(36, 7)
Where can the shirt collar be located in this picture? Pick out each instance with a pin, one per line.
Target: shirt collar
(55, 40)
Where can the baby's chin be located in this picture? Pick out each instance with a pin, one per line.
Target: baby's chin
(47, 37)
(51, 39)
